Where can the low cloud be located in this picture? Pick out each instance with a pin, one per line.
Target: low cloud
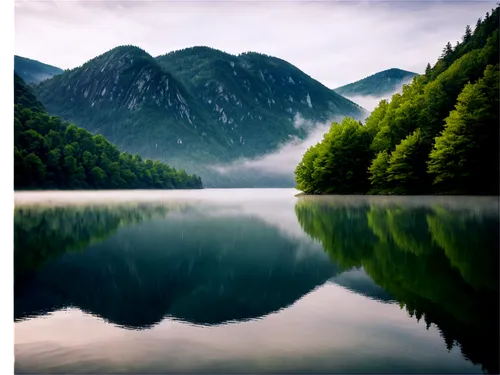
(286, 158)
(370, 102)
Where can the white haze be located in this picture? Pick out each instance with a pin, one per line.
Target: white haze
(370, 102)
(286, 158)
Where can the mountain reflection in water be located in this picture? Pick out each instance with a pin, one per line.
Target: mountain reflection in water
(218, 264)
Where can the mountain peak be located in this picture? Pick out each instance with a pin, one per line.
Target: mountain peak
(198, 104)
(379, 84)
(200, 51)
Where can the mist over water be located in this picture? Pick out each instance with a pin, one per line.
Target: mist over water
(254, 281)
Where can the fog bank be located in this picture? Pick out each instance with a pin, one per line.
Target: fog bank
(284, 161)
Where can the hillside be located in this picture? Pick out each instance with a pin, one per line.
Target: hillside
(377, 85)
(252, 88)
(33, 71)
(440, 135)
(191, 106)
(52, 154)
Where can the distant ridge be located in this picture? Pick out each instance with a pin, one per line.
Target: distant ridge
(379, 84)
(33, 71)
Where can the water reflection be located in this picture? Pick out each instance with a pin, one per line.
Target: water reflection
(168, 274)
(437, 258)
(195, 264)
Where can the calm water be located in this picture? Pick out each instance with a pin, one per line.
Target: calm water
(254, 281)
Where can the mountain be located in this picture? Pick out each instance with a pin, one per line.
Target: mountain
(33, 71)
(438, 136)
(197, 106)
(383, 83)
(52, 154)
(250, 88)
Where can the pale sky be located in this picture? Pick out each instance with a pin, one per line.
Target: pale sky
(335, 42)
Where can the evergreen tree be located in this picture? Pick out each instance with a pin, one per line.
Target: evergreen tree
(465, 156)
(428, 70)
(447, 50)
(406, 168)
(468, 34)
(478, 24)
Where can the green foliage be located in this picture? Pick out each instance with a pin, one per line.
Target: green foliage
(465, 158)
(406, 171)
(439, 263)
(378, 173)
(339, 163)
(373, 122)
(50, 153)
(24, 96)
(305, 169)
(465, 155)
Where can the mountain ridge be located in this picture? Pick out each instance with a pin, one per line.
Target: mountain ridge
(34, 71)
(210, 113)
(385, 82)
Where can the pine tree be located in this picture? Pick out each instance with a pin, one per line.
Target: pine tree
(428, 70)
(447, 51)
(478, 23)
(468, 33)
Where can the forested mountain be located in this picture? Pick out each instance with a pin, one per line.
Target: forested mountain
(256, 94)
(33, 71)
(195, 106)
(440, 135)
(52, 154)
(379, 84)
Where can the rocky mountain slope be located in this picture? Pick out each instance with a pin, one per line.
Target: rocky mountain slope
(53, 154)
(197, 105)
(377, 85)
(33, 71)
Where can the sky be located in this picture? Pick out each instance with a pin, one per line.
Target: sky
(335, 42)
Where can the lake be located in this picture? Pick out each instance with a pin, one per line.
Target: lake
(254, 281)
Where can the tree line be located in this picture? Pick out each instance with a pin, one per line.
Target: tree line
(439, 136)
(52, 154)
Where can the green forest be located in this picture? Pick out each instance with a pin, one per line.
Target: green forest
(52, 154)
(440, 264)
(439, 136)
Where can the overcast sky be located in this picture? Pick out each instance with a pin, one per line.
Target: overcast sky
(334, 42)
